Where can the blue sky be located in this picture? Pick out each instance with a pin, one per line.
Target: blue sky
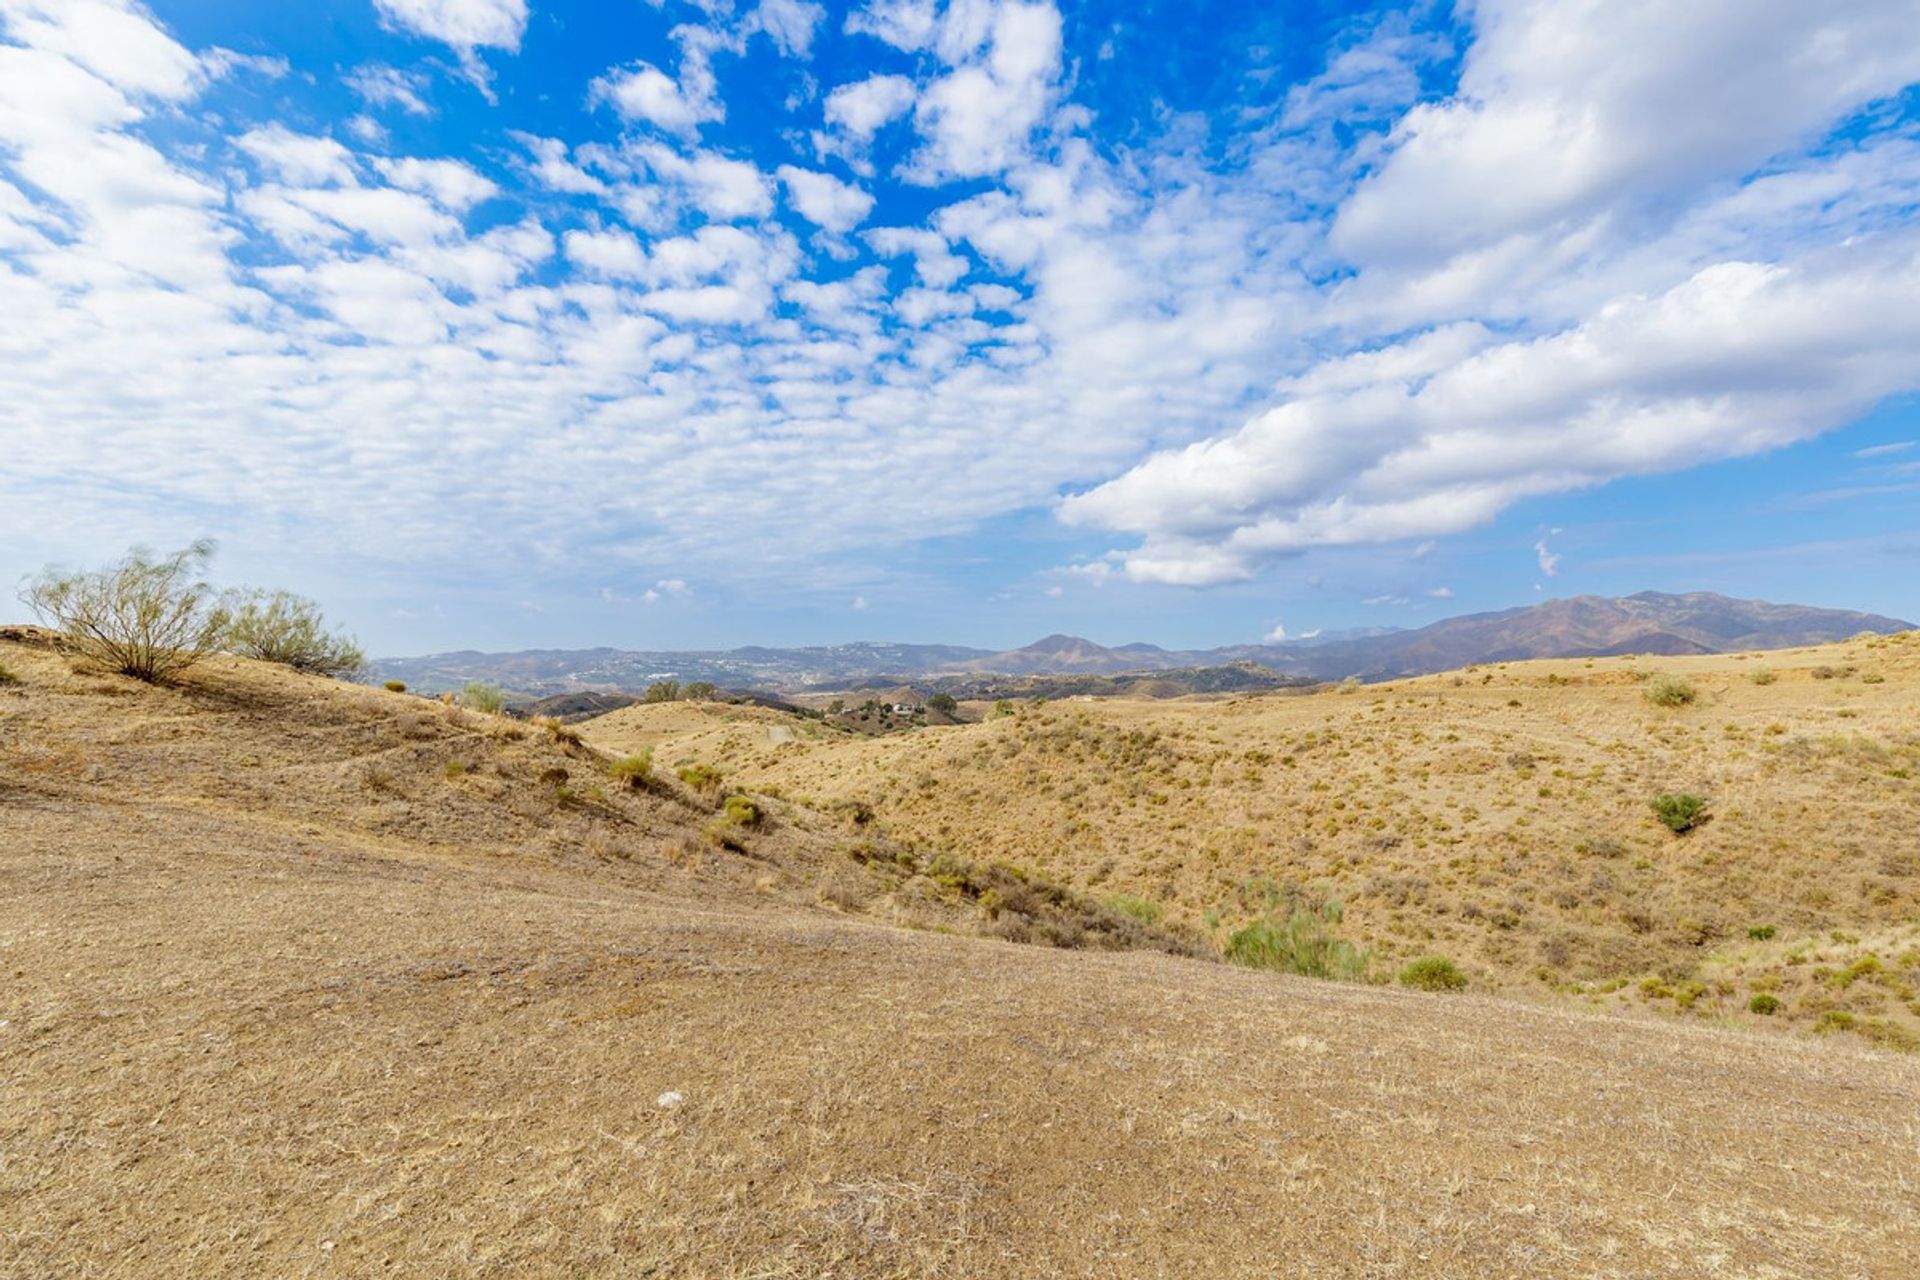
(501, 323)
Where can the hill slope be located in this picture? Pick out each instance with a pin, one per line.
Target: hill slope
(1500, 817)
(287, 996)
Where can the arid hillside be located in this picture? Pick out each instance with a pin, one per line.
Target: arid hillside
(304, 979)
(1499, 817)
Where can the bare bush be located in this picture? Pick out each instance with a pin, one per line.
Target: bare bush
(144, 617)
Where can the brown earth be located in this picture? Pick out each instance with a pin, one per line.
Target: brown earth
(287, 995)
(1498, 816)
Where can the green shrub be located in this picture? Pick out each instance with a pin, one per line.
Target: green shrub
(395, 686)
(1670, 691)
(636, 771)
(1305, 943)
(1681, 812)
(1145, 910)
(1761, 932)
(701, 777)
(699, 691)
(1764, 1005)
(146, 618)
(662, 691)
(480, 696)
(1433, 973)
(278, 626)
(741, 811)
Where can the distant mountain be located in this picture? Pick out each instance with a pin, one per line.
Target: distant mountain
(1583, 626)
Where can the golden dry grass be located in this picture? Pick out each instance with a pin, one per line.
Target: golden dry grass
(263, 1016)
(1498, 816)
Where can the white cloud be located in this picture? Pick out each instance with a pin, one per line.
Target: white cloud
(863, 107)
(554, 170)
(464, 24)
(298, 157)
(453, 186)
(978, 118)
(644, 92)
(721, 187)
(1741, 357)
(904, 24)
(859, 603)
(824, 200)
(1884, 450)
(788, 23)
(1276, 634)
(379, 85)
(613, 254)
(1440, 593)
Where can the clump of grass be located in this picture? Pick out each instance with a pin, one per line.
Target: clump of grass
(1145, 910)
(1307, 943)
(634, 771)
(480, 696)
(456, 769)
(740, 811)
(1762, 675)
(7, 677)
(1764, 1005)
(395, 686)
(1761, 932)
(1679, 811)
(1670, 691)
(701, 777)
(1433, 973)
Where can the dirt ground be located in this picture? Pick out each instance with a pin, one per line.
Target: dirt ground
(285, 995)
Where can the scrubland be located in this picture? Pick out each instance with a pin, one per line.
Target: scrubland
(307, 979)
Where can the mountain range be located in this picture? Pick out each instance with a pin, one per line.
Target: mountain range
(1651, 622)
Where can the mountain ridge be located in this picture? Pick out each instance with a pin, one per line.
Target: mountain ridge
(1576, 626)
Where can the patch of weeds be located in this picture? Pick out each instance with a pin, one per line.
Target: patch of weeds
(395, 686)
(1763, 675)
(480, 696)
(1761, 932)
(1145, 910)
(1433, 973)
(1859, 969)
(634, 772)
(701, 777)
(1306, 942)
(1764, 1005)
(456, 769)
(1834, 1020)
(7, 677)
(1679, 811)
(1670, 691)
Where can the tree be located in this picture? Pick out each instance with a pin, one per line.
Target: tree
(943, 703)
(663, 691)
(278, 626)
(144, 617)
(698, 691)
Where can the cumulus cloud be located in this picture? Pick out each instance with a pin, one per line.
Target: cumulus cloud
(863, 107)
(379, 85)
(1739, 358)
(643, 92)
(978, 118)
(824, 200)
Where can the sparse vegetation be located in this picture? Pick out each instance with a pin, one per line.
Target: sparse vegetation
(1432, 973)
(1679, 811)
(148, 618)
(1670, 691)
(7, 677)
(278, 626)
(483, 697)
(1763, 1004)
(662, 691)
(1305, 942)
(701, 777)
(1763, 675)
(634, 771)
(395, 686)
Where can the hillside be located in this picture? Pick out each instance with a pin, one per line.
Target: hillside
(1583, 626)
(1499, 816)
(308, 979)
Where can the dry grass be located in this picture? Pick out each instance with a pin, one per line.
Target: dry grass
(1500, 817)
(285, 998)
